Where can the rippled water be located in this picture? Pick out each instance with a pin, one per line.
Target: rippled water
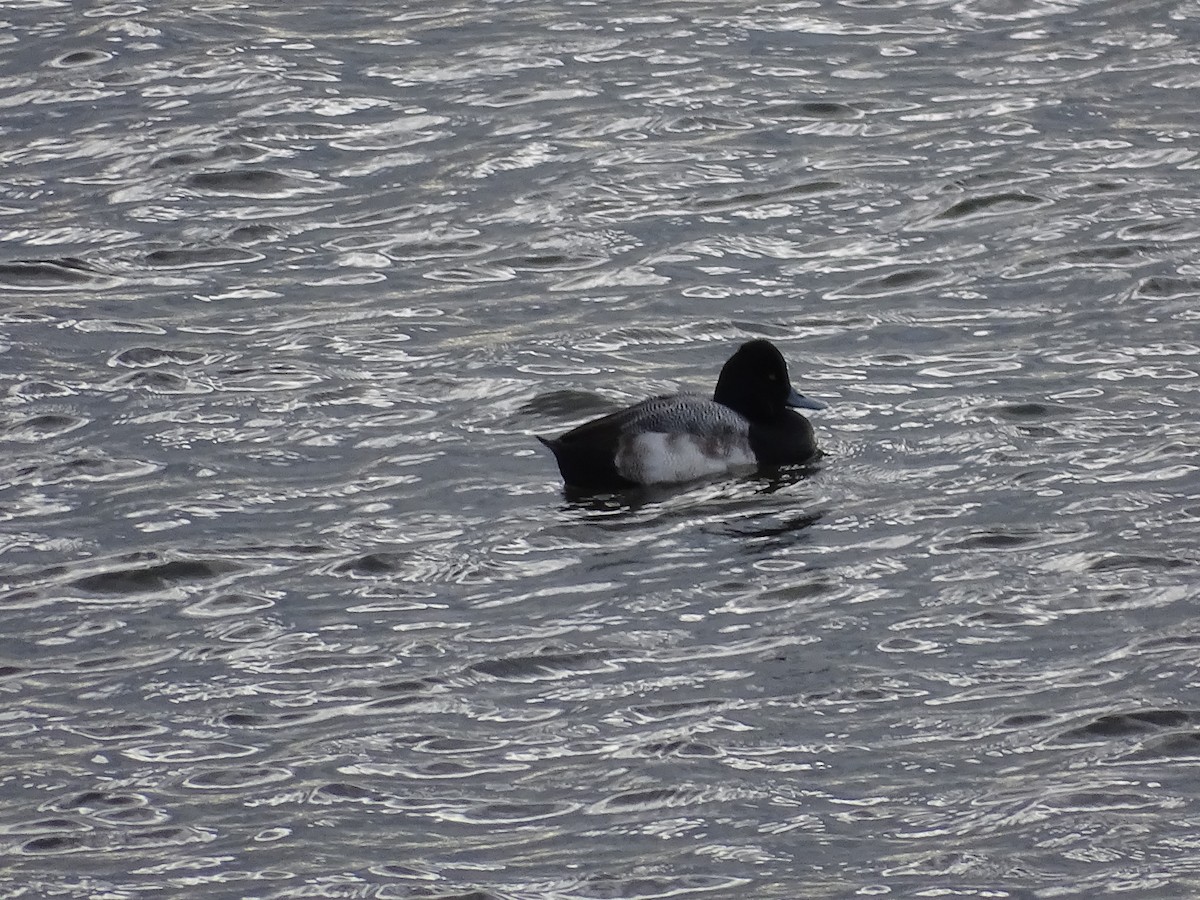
(295, 604)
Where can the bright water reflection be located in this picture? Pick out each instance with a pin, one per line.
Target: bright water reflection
(294, 602)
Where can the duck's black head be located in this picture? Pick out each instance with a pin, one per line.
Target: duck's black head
(754, 382)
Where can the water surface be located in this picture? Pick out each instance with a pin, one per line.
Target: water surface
(295, 604)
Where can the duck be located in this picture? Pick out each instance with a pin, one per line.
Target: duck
(677, 438)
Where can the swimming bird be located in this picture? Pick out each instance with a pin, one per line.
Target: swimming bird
(680, 437)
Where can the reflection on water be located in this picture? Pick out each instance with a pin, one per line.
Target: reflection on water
(294, 602)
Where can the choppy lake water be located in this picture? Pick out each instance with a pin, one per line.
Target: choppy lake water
(295, 605)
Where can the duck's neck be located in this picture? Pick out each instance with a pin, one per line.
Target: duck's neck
(754, 407)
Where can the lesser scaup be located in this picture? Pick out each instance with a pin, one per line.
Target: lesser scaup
(679, 437)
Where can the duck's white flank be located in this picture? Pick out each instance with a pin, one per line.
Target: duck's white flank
(657, 457)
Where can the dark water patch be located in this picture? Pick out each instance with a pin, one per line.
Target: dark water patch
(1125, 725)
(1024, 410)
(1165, 230)
(890, 359)
(41, 390)
(344, 792)
(1108, 255)
(371, 564)
(255, 234)
(43, 427)
(199, 257)
(1102, 187)
(1030, 409)
(991, 204)
(552, 262)
(407, 686)
(241, 152)
(990, 179)
(1171, 642)
(545, 666)
(1137, 562)
(898, 282)
(909, 278)
(1104, 256)
(180, 158)
(90, 801)
(77, 58)
(244, 182)
(158, 381)
(458, 745)
(147, 357)
(53, 844)
(785, 525)
(1025, 720)
(141, 577)
(990, 540)
(46, 826)
(805, 588)
(1161, 287)
(52, 275)
(1172, 748)
(341, 395)
(265, 721)
(812, 109)
(51, 571)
